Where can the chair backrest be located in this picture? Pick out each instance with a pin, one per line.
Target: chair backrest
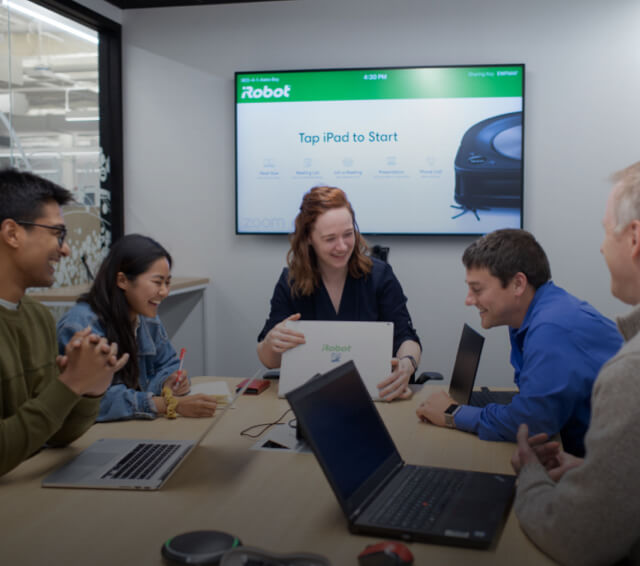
(380, 252)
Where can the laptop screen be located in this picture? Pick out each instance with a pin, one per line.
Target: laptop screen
(466, 365)
(340, 421)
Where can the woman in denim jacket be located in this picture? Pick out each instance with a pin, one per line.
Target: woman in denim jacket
(122, 305)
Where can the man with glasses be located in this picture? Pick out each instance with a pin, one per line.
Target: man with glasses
(43, 399)
(60, 229)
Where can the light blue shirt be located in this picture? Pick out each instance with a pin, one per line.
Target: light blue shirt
(157, 360)
(556, 353)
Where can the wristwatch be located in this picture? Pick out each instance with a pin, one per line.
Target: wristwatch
(449, 415)
(412, 360)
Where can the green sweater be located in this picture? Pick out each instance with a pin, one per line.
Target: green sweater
(35, 406)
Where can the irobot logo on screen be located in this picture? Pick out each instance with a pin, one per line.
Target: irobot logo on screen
(266, 92)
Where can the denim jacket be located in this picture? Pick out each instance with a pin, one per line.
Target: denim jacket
(157, 360)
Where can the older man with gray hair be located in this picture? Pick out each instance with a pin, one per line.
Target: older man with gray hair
(587, 511)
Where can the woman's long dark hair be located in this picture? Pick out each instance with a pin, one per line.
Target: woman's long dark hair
(132, 255)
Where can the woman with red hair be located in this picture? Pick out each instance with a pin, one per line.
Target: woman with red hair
(331, 277)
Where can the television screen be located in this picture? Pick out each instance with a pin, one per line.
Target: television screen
(420, 150)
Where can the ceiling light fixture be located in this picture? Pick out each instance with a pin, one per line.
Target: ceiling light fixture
(81, 118)
(50, 21)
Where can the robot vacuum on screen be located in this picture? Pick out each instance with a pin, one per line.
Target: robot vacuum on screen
(488, 165)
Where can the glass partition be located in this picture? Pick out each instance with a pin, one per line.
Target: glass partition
(50, 122)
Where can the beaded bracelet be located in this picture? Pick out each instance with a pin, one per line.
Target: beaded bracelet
(171, 403)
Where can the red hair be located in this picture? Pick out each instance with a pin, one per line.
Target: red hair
(304, 276)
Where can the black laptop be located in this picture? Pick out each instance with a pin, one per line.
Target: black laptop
(381, 495)
(464, 373)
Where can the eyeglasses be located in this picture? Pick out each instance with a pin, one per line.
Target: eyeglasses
(61, 230)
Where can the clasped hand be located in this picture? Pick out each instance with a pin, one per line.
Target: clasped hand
(89, 363)
(549, 453)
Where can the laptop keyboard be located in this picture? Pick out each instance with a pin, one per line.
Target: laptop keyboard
(421, 498)
(485, 396)
(142, 461)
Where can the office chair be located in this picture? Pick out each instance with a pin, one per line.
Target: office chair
(380, 252)
(426, 376)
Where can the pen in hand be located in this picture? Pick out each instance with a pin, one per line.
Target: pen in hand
(180, 378)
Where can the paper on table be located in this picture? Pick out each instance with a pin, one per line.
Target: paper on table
(281, 438)
(220, 388)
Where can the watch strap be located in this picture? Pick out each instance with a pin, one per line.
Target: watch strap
(449, 415)
(412, 360)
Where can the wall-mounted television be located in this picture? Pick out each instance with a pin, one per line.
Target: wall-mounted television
(418, 150)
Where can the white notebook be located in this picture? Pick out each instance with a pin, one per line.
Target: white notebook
(331, 343)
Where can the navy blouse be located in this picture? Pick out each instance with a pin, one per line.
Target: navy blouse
(374, 297)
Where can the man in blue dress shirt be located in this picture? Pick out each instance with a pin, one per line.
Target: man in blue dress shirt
(558, 344)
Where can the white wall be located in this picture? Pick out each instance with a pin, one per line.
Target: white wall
(104, 9)
(581, 123)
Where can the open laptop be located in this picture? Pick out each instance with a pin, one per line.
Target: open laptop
(464, 373)
(369, 478)
(331, 343)
(128, 463)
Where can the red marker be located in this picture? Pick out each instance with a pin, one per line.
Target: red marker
(183, 351)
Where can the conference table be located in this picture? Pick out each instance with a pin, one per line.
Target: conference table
(276, 500)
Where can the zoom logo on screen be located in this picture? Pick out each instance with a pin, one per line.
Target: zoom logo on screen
(266, 224)
(265, 92)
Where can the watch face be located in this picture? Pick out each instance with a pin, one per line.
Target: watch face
(451, 408)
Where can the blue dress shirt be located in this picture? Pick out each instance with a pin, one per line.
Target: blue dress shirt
(556, 353)
(374, 297)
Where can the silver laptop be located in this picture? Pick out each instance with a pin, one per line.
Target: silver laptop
(331, 343)
(129, 463)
